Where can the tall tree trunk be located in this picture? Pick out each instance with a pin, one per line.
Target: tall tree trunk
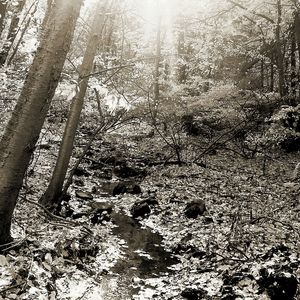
(280, 58)
(181, 54)
(297, 30)
(3, 8)
(297, 37)
(293, 80)
(54, 191)
(12, 32)
(156, 72)
(272, 74)
(23, 129)
(297, 22)
(262, 74)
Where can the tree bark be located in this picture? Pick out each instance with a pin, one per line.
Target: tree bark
(3, 8)
(23, 129)
(54, 191)
(50, 6)
(297, 30)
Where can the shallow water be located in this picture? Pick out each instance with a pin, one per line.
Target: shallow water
(143, 257)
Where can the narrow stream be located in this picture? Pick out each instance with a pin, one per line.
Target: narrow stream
(144, 257)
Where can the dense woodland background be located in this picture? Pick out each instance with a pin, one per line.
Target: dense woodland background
(149, 149)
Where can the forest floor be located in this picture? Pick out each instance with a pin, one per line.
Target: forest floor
(245, 245)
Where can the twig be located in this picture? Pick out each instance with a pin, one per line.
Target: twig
(11, 288)
(11, 245)
(107, 70)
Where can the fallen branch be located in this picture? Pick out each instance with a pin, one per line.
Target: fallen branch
(57, 218)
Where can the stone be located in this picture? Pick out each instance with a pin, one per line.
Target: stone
(126, 187)
(140, 209)
(119, 189)
(84, 195)
(79, 182)
(195, 209)
(124, 171)
(135, 189)
(101, 212)
(193, 294)
(228, 293)
(45, 146)
(81, 172)
(102, 206)
(151, 201)
(208, 220)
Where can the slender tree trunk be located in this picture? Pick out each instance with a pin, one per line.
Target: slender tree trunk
(293, 81)
(297, 37)
(181, 54)
(297, 30)
(156, 72)
(23, 129)
(15, 20)
(262, 74)
(280, 58)
(3, 8)
(272, 74)
(15, 49)
(54, 191)
(12, 32)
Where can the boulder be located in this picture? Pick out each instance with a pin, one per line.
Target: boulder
(195, 209)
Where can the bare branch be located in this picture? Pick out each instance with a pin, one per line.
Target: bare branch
(251, 11)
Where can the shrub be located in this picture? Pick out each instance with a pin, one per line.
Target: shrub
(283, 131)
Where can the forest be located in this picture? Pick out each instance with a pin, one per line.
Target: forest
(149, 149)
